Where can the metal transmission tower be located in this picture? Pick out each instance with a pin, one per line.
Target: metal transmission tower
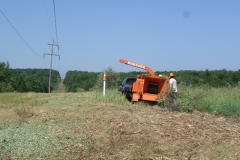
(51, 54)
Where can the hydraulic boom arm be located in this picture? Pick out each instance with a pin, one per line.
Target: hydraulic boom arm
(149, 70)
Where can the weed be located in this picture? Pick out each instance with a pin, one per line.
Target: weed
(112, 96)
(24, 112)
(163, 101)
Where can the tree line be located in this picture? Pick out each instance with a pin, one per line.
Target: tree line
(26, 80)
(84, 81)
(36, 80)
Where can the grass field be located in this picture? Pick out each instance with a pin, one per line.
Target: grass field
(87, 125)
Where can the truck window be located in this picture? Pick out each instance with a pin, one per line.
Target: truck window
(130, 81)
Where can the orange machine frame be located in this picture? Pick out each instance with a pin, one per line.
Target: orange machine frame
(146, 87)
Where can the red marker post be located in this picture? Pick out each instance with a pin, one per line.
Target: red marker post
(104, 83)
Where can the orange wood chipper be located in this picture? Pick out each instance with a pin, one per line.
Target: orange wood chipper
(147, 87)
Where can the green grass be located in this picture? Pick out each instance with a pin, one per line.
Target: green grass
(221, 101)
(27, 140)
(12, 100)
(111, 96)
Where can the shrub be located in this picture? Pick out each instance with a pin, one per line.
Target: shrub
(112, 79)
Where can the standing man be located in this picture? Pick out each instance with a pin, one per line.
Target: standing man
(173, 90)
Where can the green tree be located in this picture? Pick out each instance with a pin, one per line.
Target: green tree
(5, 77)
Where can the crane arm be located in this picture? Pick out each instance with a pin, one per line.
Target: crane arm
(149, 70)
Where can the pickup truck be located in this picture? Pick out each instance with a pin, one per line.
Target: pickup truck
(124, 87)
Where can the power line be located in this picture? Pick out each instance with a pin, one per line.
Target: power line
(19, 34)
(56, 31)
(55, 21)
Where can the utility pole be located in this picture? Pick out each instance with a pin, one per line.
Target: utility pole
(51, 54)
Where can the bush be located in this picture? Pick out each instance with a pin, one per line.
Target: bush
(112, 79)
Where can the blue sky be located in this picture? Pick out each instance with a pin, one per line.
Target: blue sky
(94, 34)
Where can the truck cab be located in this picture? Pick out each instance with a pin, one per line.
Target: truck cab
(124, 87)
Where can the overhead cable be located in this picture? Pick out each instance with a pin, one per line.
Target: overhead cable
(55, 23)
(19, 34)
(56, 32)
